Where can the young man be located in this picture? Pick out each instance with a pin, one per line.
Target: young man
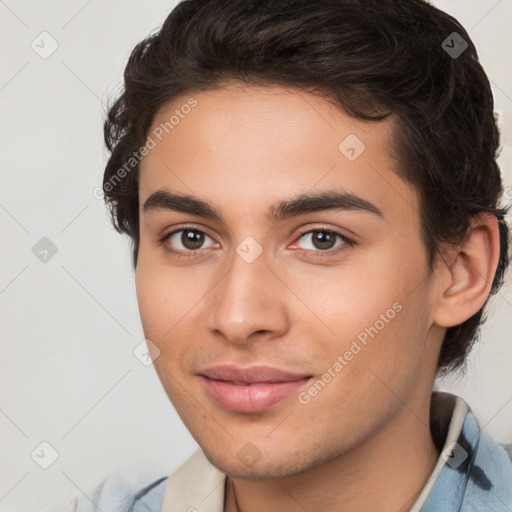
(312, 194)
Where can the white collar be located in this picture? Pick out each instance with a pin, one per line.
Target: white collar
(196, 486)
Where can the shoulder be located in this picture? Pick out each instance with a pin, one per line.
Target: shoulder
(115, 494)
(196, 476)
(490, 478)
(150, 497)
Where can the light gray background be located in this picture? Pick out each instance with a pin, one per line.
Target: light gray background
(69, 325)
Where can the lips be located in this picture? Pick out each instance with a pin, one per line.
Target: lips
(250, 390)
(252, 374)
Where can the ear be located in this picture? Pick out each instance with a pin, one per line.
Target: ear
(465, 282)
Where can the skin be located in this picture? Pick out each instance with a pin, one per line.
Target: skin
(366, 432)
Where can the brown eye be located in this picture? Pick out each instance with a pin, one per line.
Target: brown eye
(192, 239)
(323, 239)
(185, 240)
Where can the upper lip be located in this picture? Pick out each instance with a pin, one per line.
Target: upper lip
(251, 374)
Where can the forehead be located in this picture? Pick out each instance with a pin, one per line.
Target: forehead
(250, 145)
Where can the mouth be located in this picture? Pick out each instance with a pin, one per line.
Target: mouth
(250, 390)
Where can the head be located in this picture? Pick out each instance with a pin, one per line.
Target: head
(246, 106)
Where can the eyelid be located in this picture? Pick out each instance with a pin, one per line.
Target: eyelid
(323, 227)
(184, 227)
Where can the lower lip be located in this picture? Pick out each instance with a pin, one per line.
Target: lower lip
(250, 398)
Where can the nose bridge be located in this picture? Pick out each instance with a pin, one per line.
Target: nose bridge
(246, 299)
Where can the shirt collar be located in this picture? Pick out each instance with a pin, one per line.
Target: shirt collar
(447, 416)
(200, 486)
(473, 472)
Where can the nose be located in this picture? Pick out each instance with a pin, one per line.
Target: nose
(248, 302)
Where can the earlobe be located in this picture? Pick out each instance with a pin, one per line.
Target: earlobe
(468, 279)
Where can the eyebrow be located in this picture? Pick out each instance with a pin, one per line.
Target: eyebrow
(298, 205)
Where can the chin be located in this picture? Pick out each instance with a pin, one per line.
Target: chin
(280, 466)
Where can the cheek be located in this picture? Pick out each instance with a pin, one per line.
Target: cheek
(160, 291)
(352, 297)
(156, 297)
(151, 299)
(159, 318)
(169, 300)
(373, 315)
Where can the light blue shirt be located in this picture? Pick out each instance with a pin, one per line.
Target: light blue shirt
(473, 474)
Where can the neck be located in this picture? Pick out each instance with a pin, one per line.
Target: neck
(386, 472)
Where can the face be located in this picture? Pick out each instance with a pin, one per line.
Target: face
(332, 294)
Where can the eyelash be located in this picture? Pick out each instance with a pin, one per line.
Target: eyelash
(315, 253)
